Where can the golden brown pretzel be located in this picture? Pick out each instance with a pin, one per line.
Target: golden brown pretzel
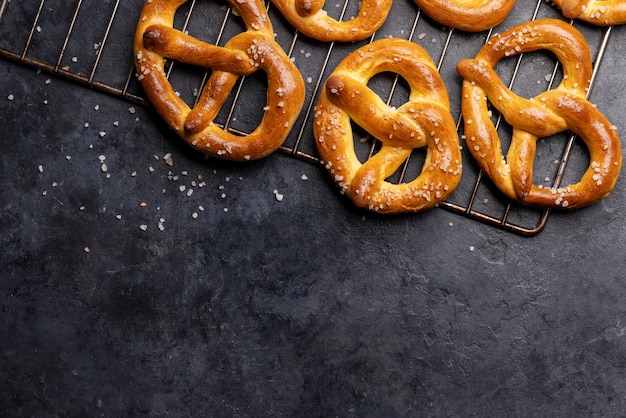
(551, 112)
(308, 17)
(424, 121)
(467, 15)
(247, 52)
(596, 12)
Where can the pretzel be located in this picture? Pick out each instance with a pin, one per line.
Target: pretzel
(467, 15)
(308, 17)
(596, 12)
(156, 40)
(551, 112)
(424, 121)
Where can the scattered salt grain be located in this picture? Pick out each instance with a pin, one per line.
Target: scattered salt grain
(168, 159)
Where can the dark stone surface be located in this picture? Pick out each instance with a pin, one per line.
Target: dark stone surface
(299, 307)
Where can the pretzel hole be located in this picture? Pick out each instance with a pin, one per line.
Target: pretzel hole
(364, 144)
(204, 21)
(244, 109)
(549, 156)
(410, 169)
(392, 88)
(186, 80)
(365, 147)
(537, 72)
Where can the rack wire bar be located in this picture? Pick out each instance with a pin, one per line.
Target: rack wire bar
(329, 53)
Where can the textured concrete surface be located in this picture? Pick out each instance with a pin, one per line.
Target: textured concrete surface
(122, 294)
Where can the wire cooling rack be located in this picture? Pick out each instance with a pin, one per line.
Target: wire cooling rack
(90, 43)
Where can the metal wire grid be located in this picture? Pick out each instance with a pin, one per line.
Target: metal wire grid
(470, 200)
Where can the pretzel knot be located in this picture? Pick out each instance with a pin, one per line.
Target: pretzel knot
(467, 15)
(424, 121)
(551, 112)
(596, 12)
(308, 17)
(156, 40)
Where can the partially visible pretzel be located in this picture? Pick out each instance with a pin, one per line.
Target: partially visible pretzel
(467, 15)
(308, 17)
(156, 40)
(424, 121)
(551, 112)
(596, 12)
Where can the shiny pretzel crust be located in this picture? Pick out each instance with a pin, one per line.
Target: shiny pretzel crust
(596, 12)
(156, 40)
(424, 121)
(467, 15)
(551, 112)
(308, 17)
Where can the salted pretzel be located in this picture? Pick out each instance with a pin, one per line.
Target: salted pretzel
(308, 17)
(596, 12)
(255, 49)
(467, 15)
(424, 121)
(551, 112)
